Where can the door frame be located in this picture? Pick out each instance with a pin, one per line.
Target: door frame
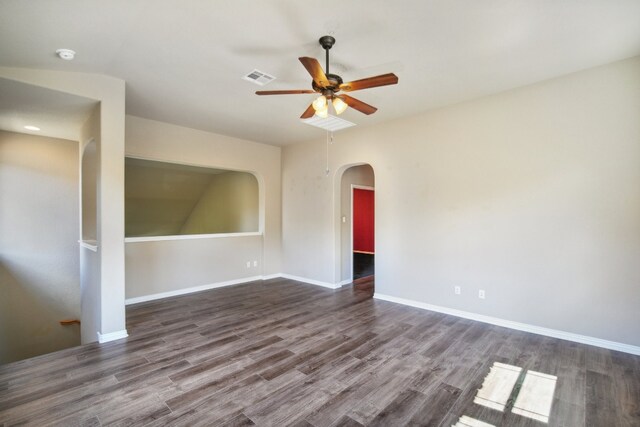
(357, 187)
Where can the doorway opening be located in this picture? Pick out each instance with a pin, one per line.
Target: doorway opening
(363, 235)
(357, 226)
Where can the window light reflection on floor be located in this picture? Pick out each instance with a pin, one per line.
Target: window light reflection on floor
(466, 421)
(536, 396)
(533, 392)
(497, 386)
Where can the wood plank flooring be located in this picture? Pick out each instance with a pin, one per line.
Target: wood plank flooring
(282, 353)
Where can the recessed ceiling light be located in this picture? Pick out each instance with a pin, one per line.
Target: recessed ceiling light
(31, 127)
(66, 54)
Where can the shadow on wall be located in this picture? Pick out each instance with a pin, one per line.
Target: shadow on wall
(30, 314)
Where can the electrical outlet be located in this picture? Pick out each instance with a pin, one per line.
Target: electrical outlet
(248, 264)
(457, 290)
(255, 263)
(481, 294)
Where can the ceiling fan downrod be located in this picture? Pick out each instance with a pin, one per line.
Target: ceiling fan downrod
(327, 42)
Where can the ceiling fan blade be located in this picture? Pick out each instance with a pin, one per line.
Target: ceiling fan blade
(308, 113)
(381, 80)
(315, 69)
(283, 92)
(358, 105)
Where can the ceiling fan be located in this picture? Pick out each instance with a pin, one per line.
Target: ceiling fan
(330, 85)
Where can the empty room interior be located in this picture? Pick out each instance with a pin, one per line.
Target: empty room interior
(284, 213)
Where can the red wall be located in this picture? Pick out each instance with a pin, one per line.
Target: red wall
(363, 220)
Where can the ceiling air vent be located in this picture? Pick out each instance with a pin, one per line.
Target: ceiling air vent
(331, 123)
(259, 78)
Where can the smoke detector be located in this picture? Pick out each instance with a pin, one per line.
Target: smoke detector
(66, 54)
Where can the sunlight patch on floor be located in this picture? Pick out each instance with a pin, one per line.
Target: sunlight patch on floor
(507, 387)
(466, 421)
(536, 396)
(497, 386)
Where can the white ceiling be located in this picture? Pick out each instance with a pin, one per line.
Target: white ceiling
(183, 60)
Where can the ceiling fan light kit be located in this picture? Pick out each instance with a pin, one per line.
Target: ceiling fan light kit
(339, 105)
(329, 85)
(320, 103)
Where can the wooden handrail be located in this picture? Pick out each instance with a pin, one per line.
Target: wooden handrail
(66, 322)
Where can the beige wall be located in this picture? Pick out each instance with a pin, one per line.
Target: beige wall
(159, 197)
(532, 195)
(110, 92)
(39, 264)
(90, 269)
(165, 266)
(355, 175)
(228, 205)
(89, 162)
(170, 143)
(169, 199)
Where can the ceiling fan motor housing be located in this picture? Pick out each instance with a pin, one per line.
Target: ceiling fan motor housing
(334, 84)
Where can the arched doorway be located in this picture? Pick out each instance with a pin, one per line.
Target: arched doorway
(357, 231)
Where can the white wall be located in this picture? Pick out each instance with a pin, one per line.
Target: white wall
(532, 195)
(110, 92)
(170, 143)
(39, 264)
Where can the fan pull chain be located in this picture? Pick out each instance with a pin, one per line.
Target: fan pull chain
(329, 141)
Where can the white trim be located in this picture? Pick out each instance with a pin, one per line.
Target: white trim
(311, 281)
(554, 333)
(112, 336)
(345, 282)
(177, 292)
(188, 237)
(92, 245)
(191, 290)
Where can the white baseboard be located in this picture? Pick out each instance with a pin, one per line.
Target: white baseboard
(554, 333)
(177, 292)
(191, 290)
(112, 336)
(311, 281)
(344, 282)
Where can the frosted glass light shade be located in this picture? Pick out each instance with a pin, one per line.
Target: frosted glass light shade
(323, 113)
(320, 103)
(339, 105)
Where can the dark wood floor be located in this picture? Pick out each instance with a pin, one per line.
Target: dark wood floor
(363, 265)
(282, 353)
